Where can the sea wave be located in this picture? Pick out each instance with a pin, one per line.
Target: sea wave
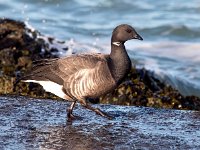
(176, 63)
(178, 32)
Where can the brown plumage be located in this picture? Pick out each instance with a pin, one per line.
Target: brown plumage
(83, 76)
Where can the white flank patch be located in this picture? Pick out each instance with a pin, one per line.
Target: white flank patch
(50, 86)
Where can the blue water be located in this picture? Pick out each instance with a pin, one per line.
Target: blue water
(171, 31)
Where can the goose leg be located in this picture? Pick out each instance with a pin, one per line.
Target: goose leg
(69, 111)
(96, 110)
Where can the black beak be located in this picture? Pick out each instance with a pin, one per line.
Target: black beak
(137, 36)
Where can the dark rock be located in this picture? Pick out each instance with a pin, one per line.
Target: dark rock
(19, 46)
(41, 124)
(141, 89)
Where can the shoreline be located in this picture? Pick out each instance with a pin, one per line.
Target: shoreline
(19, 46)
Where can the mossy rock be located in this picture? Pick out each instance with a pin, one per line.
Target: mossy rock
(142, 89)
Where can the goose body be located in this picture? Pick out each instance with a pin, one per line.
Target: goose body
(81, 76)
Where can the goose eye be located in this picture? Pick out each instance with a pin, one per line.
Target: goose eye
(128, 30)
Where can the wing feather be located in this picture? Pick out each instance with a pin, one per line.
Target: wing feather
(60, 69)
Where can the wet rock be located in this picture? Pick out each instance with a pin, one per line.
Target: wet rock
(28, 123)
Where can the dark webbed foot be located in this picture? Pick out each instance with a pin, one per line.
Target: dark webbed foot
(70, 116)
(101, 113)
(97, 111)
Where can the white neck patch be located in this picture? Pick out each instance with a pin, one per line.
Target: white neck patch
(116, 43)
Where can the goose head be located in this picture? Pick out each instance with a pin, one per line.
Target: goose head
(123, 33)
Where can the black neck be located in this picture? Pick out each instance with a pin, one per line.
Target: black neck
(120, 63)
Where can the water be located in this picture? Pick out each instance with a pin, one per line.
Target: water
(171, 31)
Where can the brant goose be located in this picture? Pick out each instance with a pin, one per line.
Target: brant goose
(81, 76)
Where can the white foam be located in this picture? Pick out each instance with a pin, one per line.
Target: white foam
(176, 50)
(50, 86)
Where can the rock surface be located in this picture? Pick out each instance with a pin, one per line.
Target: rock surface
(27, 123)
